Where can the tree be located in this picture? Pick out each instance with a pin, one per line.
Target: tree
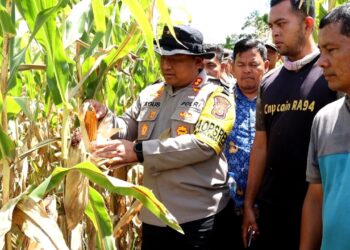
(255, 26)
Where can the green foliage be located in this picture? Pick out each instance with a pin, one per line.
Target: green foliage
(7, 146)
(6, 23)
(112, 184)
(97, 213)
(256, 24)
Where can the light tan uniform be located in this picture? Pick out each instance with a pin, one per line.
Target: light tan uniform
(183, 162)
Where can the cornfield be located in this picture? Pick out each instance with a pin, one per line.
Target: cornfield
(56, 54)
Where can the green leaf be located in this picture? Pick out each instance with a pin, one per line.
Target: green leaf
(12, 105)
(99, 15)
(97, 213)
(15, 62)
(36, 19)
(23, 102)
(322, 12)
(112, 184)
(164, 15)
(142, 20)
(74, 24)
(57, 66)
(7, 146)
(49, 183)
(6, 22)
(100, 23)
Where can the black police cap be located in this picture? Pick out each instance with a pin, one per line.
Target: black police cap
(191, 42)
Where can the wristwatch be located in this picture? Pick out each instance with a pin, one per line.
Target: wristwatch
(138, 151)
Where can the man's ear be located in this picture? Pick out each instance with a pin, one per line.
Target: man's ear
(309, 23)
(266, 64)
(199, 61)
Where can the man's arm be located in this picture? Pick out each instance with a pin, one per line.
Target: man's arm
(311, 224)
(255, 176)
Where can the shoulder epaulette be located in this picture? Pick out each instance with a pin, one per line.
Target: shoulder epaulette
(226, 88)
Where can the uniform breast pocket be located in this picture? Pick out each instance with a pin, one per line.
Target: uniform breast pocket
(183, 122)
(146, 122)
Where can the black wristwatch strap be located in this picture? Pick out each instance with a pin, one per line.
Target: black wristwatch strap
(138, 151)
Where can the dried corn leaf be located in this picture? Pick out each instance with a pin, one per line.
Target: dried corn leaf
(127, 217)
(76, 238)
(37, 225)
(6, 214)
(50, 206)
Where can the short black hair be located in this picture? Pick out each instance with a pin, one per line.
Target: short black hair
(340, 14)
(246, 44)
(307, 8)
(217, 49)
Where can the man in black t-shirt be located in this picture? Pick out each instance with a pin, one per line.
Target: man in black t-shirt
(289, 98)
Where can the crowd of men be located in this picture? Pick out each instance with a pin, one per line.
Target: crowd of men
(243, 153)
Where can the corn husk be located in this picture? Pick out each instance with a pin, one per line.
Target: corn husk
(76, 193)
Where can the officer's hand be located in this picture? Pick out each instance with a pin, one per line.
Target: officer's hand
(100, 109)
(118, 152)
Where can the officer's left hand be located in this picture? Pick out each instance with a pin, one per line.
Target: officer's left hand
(117, 151)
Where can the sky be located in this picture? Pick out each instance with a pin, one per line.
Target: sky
(216, 19)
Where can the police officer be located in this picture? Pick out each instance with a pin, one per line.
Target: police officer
(176, 129)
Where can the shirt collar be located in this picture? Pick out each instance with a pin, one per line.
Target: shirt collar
(196, 84)
(240, 95)
(347, 101)
(297, 65)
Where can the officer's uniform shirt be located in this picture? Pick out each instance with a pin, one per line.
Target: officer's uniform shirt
(182, 134)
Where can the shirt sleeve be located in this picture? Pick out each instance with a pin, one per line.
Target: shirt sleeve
(181, 151)
(260, 115)
(313, 170)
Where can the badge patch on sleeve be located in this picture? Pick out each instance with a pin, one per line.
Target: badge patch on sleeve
(221, 106)
(181, 130)
(152, 115)
(144, 129)
(216, 120)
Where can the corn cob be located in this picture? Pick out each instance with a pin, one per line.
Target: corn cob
(90, 121)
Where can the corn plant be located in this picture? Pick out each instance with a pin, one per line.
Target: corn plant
(321, 9)
(55, 54)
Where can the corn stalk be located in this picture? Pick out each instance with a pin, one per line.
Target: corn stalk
(5, 163)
